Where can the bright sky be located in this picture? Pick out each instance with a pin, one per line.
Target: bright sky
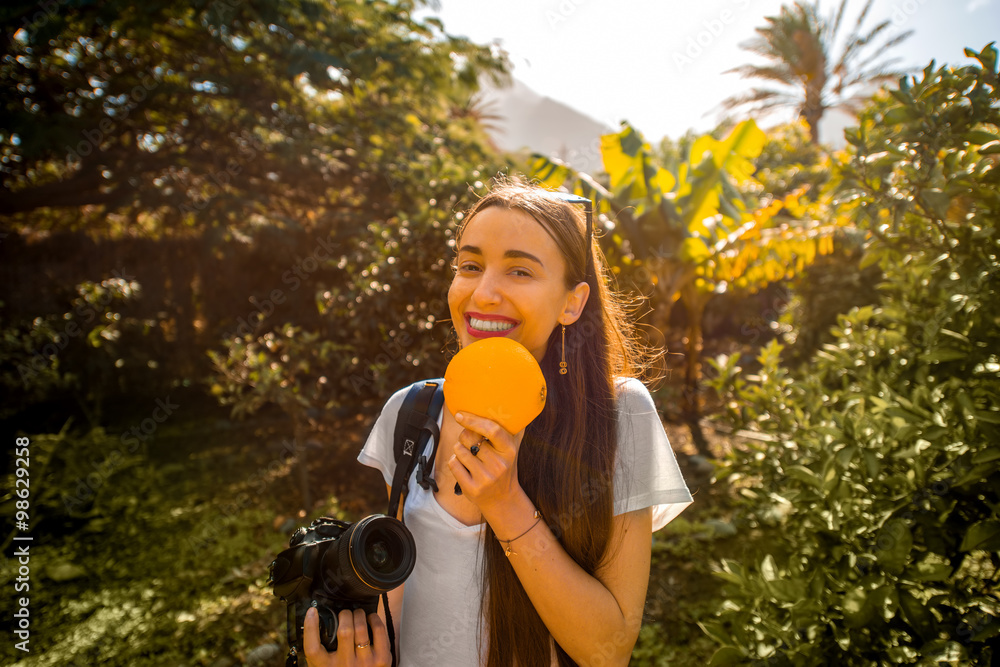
(659, 63)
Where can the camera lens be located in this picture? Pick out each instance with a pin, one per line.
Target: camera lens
(383, 551)
(380, 552)
(378, 555)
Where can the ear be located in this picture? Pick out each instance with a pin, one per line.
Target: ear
(575, 302)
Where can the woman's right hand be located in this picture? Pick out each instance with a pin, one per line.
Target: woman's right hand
(352, 630)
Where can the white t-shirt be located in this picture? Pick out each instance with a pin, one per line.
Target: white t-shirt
(440, 624)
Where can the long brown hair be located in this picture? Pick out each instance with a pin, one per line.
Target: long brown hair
(567, 458)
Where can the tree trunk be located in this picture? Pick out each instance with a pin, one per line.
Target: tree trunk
(181, 304)
(694, 302)
(302, 462)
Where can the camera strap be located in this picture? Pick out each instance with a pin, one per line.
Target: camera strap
(416, 423)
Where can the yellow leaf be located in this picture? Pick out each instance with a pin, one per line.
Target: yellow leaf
(809, 252)
(745, 141)
(793, 206)
(703, 144)
(665, 180)
(549, 173)
(623, 154)
(685, 185)
(825, 245)
(616, 163)
(708, 207)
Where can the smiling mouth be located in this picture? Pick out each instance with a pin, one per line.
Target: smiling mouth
(490, 326)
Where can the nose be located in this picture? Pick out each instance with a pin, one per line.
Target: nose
(488, 289)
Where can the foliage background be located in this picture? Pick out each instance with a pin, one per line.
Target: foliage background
(225, 239)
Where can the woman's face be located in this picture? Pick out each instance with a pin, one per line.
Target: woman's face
(510, 281)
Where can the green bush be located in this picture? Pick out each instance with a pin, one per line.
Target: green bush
(877, 475)
(86, 351)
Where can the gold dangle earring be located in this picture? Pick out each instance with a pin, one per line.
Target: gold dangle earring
(563, 366)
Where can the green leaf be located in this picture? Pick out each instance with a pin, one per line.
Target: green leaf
(900, 114)
(984, 535)
(856, 612)
(987, 455)
(988, 57)
(845, 456)
(990, 417)
(936, 201)
(988, 631)
(872, 463)
(806, 475)
(932, 567)
(727, 655)
(768, 568)
(787, 590)
(942, 355)
(944, 652)
(715, 630)
(979, 137)
(892, 550)
(917, 615)
(934, 432)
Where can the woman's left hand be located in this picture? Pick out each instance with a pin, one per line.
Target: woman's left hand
(489, 477)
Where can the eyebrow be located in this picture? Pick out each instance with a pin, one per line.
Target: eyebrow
(509, 254)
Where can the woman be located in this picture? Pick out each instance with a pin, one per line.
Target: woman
(543, 559)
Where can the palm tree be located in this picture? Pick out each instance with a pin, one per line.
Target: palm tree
(799, 43)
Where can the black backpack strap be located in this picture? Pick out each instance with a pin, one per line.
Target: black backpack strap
(416, 423)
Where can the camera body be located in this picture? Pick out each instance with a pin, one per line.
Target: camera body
(334, 565)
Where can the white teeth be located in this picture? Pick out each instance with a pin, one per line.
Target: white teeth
(490, 325)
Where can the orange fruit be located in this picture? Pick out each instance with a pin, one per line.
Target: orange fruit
(496, 378)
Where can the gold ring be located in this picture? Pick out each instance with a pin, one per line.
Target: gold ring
(362, 645)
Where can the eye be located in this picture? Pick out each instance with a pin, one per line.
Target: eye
(467, 267)
(521, 273)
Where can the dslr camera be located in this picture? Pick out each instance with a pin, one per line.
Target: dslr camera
(335, 565)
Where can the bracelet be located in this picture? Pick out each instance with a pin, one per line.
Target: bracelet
(508, 552)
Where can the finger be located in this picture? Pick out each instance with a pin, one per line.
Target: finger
(473, 466)
(382, 652)
(469, 455)
(461, 473)
(499, 438)
(362, 642)
(345, 631)
(310, 637)
(469, 438)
